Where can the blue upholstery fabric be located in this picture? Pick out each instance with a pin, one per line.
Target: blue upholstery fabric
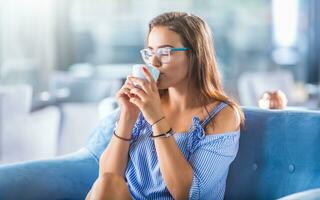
(278, 155)
(67, 177)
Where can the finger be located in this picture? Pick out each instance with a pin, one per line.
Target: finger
(128, 86)
(128, 81)
(136, 101)
(123, 92)
(144, 84)
(139, 92)
(127, 92)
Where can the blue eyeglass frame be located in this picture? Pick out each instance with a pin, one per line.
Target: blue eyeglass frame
(180, 49)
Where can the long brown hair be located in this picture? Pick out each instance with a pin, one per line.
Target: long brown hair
(203, 71)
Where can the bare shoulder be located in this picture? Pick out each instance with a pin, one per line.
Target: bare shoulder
(227, 120)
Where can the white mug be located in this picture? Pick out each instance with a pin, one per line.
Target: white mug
(137, 71)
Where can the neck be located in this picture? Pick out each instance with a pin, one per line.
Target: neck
(182, 99)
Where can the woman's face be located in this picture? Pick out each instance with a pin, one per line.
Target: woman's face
(174, 72)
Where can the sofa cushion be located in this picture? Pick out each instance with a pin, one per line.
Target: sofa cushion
(278, 154)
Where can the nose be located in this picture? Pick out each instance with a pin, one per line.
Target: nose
(154, 60)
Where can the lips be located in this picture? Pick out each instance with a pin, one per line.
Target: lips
(160, 75)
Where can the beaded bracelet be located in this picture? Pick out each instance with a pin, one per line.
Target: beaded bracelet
(167, 134)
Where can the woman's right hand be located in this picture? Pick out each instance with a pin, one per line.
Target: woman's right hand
(123, 97)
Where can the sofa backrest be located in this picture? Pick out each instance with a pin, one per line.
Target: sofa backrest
(279, 154)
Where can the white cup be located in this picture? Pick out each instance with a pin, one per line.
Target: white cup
(137, 71)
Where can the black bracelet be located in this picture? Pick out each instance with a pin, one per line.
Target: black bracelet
(158, 121)
(167, 134)
(121, 138)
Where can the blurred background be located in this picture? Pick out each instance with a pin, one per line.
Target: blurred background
(61, 62)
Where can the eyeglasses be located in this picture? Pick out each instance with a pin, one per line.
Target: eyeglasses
(163, 54)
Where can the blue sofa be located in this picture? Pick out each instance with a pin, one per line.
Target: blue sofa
(278, 155)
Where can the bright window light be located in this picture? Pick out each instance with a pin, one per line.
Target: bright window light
(285, 22)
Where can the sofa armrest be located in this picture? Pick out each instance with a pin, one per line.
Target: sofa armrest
(66, 177)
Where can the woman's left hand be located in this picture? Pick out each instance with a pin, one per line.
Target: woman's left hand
(147, 97)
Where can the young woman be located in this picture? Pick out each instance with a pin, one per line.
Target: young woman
(175, 137)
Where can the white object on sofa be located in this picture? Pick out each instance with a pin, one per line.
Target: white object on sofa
(30, 136)
(17, 99)
(78, 121)
(25, 135)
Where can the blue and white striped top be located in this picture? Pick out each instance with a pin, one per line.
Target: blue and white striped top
(209, 156)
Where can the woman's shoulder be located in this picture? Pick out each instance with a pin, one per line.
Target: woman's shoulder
(225, 121)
